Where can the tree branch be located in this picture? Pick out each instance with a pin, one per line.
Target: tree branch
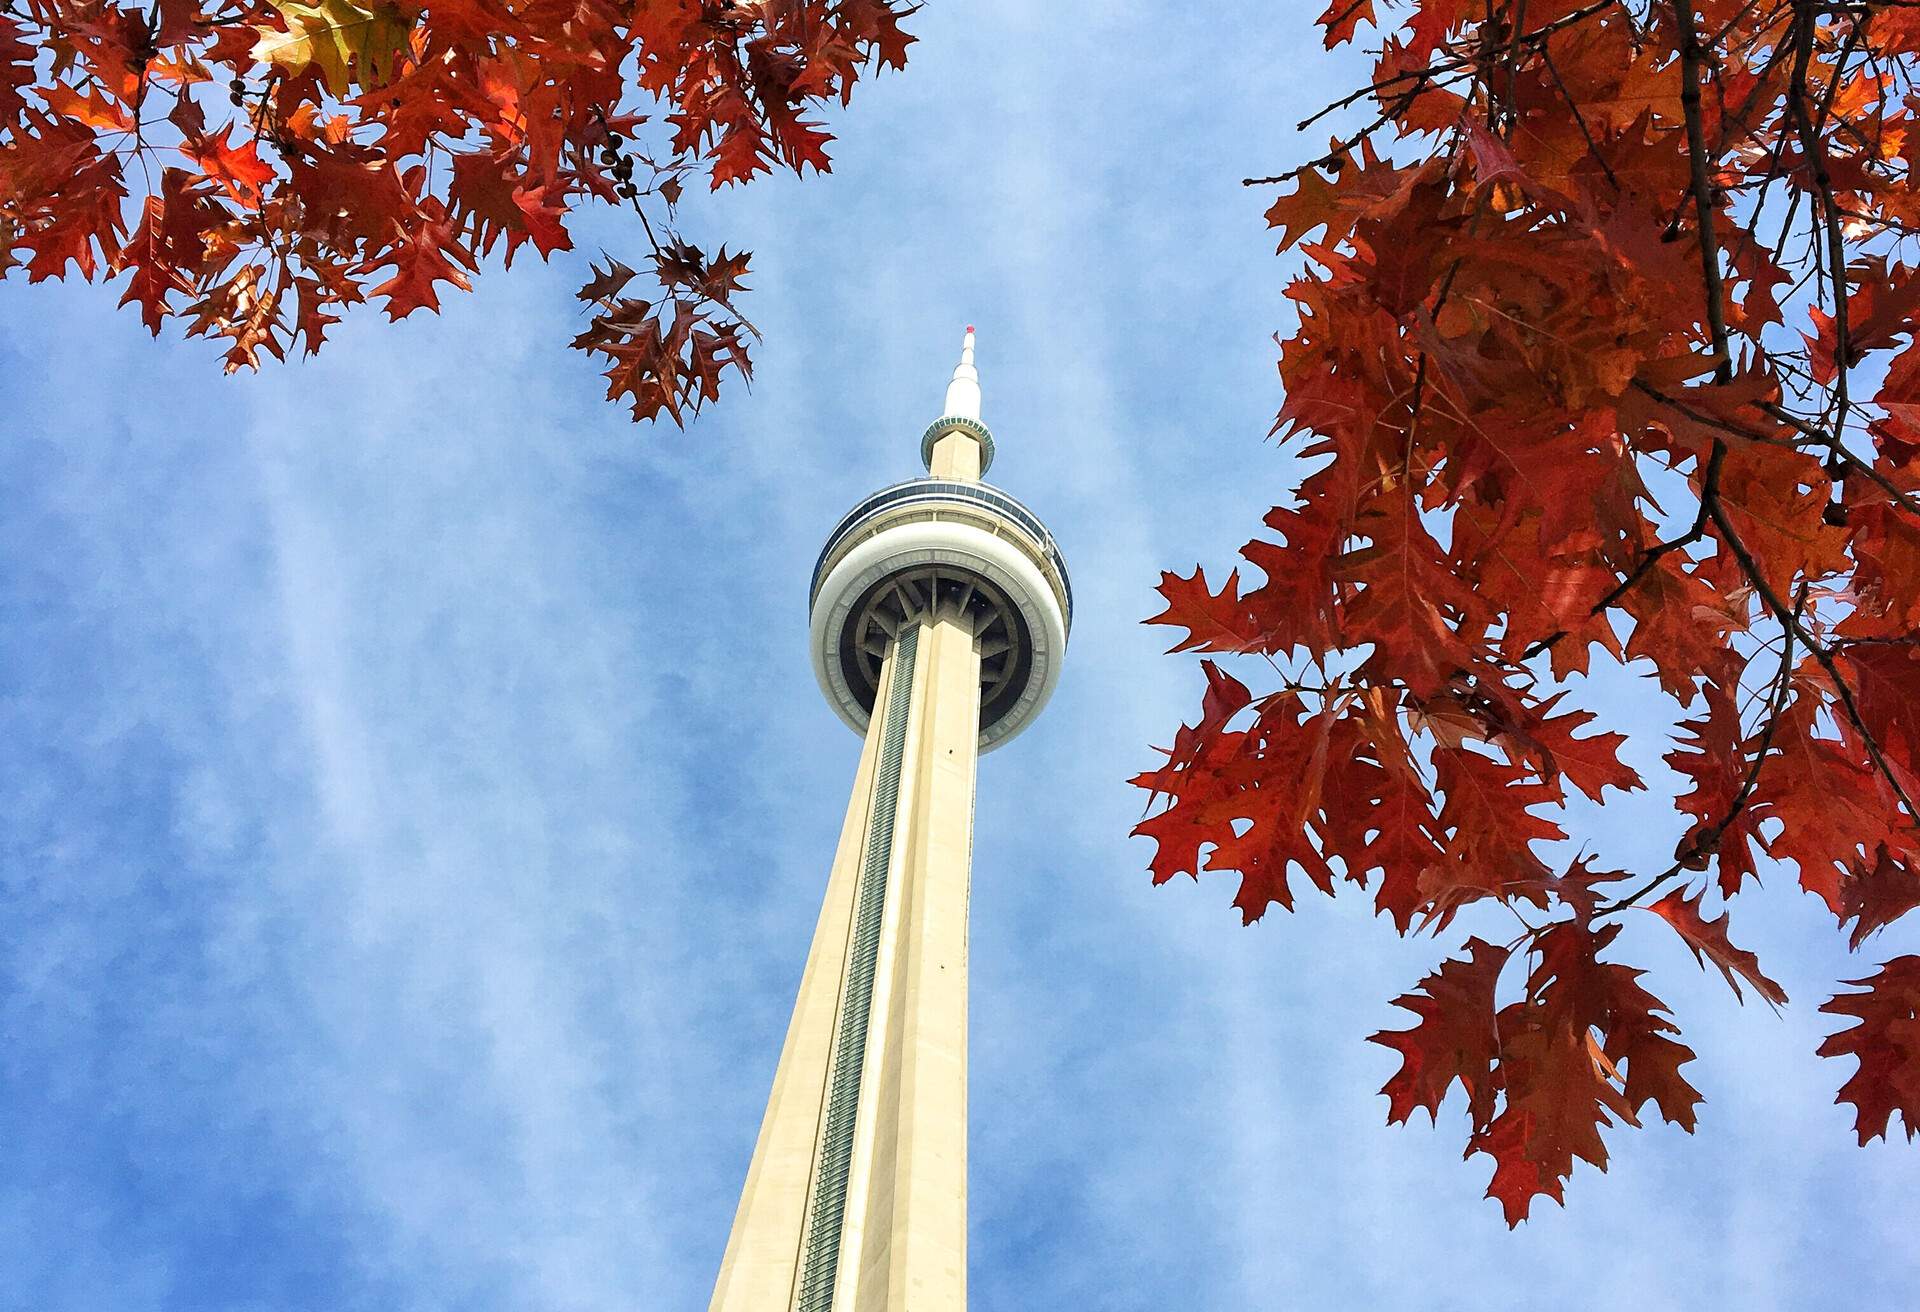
(1420, 77)
(1709, 492)
(1816, 156)
(1843, 691)
(1691, 62)
(1906, 500)
(1708, 841)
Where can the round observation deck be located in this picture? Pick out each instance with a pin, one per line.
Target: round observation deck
(930, 546)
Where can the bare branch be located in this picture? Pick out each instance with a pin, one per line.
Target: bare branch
(1691, 62)
(1708, 840)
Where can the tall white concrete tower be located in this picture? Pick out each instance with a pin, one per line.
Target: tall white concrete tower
(940, 616)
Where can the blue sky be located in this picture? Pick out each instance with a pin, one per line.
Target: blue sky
(414, 798)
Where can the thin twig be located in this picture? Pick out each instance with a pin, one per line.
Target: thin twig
(1709, 493)
(1906, 500)
(1420, 77)
(1816, 156)
(1690, 64)
(1843, 690)
(1708, 841)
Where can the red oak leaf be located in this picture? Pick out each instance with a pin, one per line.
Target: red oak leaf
(1342, 17)
(1541, 408)
(1875, 896)
(372, 148)
(237, 170)
(1563, 1047)
(429, 254)
(1707, 939)
(1456, 1039)
(1886, 1042)
(1214, 621)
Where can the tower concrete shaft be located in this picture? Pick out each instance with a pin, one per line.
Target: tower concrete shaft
(940, 614)
(856, 1199)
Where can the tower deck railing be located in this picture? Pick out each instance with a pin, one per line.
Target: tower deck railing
(934, 492)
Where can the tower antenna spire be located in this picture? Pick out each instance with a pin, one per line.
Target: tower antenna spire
(957, 444)
(963, 391)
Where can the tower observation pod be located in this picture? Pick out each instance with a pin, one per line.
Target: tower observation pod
(940, 612)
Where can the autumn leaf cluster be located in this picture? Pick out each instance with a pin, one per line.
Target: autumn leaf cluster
(1603, 350)
(254, 167)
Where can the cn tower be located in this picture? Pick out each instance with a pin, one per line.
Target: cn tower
(940, 611)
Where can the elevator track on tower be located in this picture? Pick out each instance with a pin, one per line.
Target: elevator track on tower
(826, 1215)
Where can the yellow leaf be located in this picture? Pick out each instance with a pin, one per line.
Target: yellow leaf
(349, 43)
